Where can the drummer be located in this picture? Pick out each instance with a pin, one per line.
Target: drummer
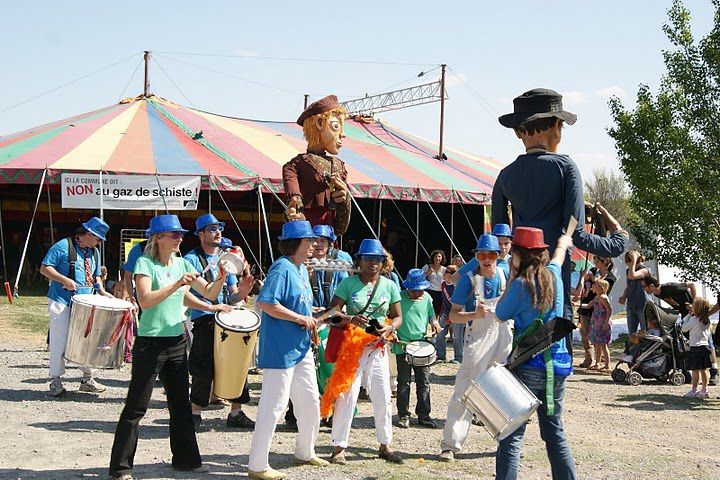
(323, 285)
(160, 280)
(73, 266)
(209, 230)
(486, 341)
(417, 314)
(380, 298)
(285, 355)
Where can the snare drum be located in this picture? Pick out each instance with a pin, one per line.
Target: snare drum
(236, 334)
(97, 329)
(500, 401)
(420, 353)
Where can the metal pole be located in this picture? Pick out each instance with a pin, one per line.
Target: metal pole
(146, 87)
(27, 239)
(379, 215)
(306, 101)
(259, 228)
(52, 233)
(452, 229)
(267, 229)
(102, 217)
(2, 245)
(417, 229)
(209, 200)
(442, 111)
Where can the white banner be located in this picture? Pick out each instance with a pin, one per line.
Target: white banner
(129, 192)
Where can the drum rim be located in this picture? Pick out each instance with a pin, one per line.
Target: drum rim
(76, 300)
(250, 329)
(434, 349)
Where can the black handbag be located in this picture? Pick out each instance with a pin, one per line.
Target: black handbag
(539, 340)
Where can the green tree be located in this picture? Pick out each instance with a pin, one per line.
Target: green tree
(669, 149)
(610, 189)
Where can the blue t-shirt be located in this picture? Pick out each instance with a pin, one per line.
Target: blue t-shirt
(464, 294)
(58, 258)
(343, 255)
(132, 258)
(319, 299)
(284, 344)
(517, 304)
(504, 263)
(230, 280)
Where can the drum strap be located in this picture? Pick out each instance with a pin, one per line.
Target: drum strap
(72, 257)
(547, 359)
(126, 322)
(208, 276)
(89, 324)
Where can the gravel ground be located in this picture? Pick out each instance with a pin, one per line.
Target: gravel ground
(616, 431)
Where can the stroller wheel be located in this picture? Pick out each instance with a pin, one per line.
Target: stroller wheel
(634, 379)
(618, 375)
(678, 379)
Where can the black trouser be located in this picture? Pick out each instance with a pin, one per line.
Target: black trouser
(422, 382)
(202, 363)
(169, 354)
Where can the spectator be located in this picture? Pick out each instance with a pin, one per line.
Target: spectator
(634, 298)
(434, 272)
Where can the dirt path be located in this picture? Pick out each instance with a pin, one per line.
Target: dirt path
(616, 432)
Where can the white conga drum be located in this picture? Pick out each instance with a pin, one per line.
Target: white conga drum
(500, 401)
(98, 326)
(236, 334)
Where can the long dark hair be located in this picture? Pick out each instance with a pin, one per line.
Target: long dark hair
(535, 276)
(435, 252)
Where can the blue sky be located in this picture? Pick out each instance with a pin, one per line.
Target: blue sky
(587, 50)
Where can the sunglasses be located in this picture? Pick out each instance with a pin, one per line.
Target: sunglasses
(175, 235)
(214, 228)
(486, 255)
(373, 258)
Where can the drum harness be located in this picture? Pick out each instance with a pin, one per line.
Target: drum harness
(327, 279)
(210, 277)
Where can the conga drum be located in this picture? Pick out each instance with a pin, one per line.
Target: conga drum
(97, 330)
(236, 334)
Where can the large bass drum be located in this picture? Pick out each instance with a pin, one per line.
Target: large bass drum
(501, 401)
(98, 326)
(236, 334)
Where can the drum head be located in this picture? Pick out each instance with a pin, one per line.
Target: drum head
(420, 348)
(101, 301)
(239, 320)
(233, 263)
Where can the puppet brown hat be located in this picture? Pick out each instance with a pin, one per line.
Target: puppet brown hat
(321, 106)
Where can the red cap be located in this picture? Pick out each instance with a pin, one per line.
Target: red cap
(529, 237)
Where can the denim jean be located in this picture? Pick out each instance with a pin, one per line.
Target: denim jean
(440, 343)
(507, 458)
(458, 340)
(635, 318)
(422, 383)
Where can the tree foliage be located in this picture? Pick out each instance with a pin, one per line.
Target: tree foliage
(610, 189)
(669, 149)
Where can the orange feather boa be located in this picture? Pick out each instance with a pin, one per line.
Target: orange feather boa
(354, 342)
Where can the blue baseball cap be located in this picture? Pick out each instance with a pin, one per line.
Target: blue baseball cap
(97, 227)
(206, 220)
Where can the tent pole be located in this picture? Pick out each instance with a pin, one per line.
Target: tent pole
(442, 111)
(267, 230)
(452, 229)
(27, 239)
(259, 227)
(2, 246)
(417, 229)
(52, 233)
(379, 216)
(102, 217)
(209, 200)
(452, 244)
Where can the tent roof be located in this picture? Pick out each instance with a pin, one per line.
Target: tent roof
(153, 135)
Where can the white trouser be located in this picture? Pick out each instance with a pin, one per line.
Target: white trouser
(392, 361)
(299, 384)
(374, 368)
(59, 325)
(486, 343)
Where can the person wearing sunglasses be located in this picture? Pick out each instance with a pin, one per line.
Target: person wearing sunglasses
(161, 278)
(368, 296)
(484, 339)
(210, 233)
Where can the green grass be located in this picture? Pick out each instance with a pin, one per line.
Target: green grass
(27, 314)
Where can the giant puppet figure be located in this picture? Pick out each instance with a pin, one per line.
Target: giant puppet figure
(315, 182)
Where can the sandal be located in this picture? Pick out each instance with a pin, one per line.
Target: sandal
(219, 401)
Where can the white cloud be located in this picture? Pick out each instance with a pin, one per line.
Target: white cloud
(247, 53)
(611, 91)
(574, 97)
(455, 79)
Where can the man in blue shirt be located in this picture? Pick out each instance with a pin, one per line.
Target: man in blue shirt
(544, 187)
(201, 363)
(69, 276)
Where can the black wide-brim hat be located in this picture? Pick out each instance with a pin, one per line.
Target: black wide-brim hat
(535, 104)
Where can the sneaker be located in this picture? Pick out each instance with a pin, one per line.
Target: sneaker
(703, 394)
(712, 381)
(125, 476)
(291, 425)
(427, 422)
(314, 461)
(338, 458)
(91, 385)
(56, 388)
(240, 421)
(691, 394)
(627, 358)
(447, 456)
(197, 421)
(363, 395)
(389, 455)
(476, 421)
(269, 474)
(200, 469)
(326, 422)
(455, 361)
(403, 422)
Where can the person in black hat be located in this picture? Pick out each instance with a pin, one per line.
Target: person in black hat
(545, 187)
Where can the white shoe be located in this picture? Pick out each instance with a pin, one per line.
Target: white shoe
(91, 386)
(56, 387)
(703, 394)
(691, 394)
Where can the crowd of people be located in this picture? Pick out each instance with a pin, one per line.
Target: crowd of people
(327, 333)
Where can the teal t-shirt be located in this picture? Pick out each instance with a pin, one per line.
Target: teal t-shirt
(416, 314)
(356, 295)
(166, 318)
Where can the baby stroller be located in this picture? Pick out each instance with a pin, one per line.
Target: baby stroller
(661, 357)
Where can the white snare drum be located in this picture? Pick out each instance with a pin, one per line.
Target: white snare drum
(236, 334)
(420, 353)
(500, 401)
(96, 334)
(233, 261)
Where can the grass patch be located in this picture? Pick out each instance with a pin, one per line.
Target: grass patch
(27, 313)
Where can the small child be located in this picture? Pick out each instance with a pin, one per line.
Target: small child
(697, 324)
(637, 341)
(417, 313)
(600, 326)
(447, 288)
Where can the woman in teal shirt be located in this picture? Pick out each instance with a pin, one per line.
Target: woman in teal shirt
(161, 279)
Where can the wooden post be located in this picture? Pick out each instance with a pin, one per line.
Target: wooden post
(146, 87)
(442, 111)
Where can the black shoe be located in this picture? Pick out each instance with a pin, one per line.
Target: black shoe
(240, 420)
(363, 395)
(403, 422)
(326, 422)
(291, 425)
(197, 421)
(476, 421)
(427, 422)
